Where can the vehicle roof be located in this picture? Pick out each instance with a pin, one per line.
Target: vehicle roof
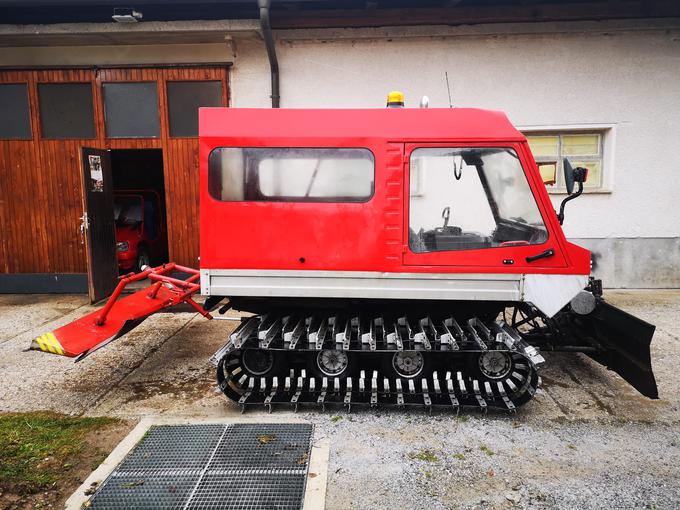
(399, 124)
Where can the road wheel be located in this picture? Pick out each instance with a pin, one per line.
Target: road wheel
(330, 363)
(407, 364)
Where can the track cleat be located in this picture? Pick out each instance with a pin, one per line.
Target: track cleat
(475, 334)
(344, 337)
(420, 336)
(292, 338)
(269, 330)
(386, 387)
(435, 384)
(461, 385)
(348, 394)
(452, 395)
(374, 389)
(242, 401)
(318, 336)
(298, 392)
(426, 394)
(368, 337)
(243, 332)
(322, 396)
(272, 394)
(504, 396)
(478, 395)
(400, 393)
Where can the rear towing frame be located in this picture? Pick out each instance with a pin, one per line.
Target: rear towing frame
(119, 315)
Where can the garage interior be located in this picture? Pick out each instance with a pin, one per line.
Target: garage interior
(138, 173)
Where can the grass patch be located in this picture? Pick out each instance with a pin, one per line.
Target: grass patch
(38, 449)
(336, 418)
(487, 450)
(459, 456)
(424, 455)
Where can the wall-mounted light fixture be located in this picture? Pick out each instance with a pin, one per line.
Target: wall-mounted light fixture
(126, 15)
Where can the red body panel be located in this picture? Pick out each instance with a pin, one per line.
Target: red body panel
(369, 236)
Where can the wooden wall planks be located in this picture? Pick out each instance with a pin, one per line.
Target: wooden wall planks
(40, 189)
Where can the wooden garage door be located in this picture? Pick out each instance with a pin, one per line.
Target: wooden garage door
(40, 189)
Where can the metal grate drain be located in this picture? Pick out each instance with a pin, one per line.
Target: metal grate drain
(238, 466)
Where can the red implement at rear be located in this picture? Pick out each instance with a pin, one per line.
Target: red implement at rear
(89, 333)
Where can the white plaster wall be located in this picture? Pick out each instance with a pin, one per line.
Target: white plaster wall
(119, 54)
(627, 77)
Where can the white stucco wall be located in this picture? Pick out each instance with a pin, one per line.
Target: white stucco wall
(622, 75)
(115, 54)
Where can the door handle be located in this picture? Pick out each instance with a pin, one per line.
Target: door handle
(543, 255)
(84, 227)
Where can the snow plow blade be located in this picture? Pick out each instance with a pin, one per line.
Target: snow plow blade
(625, 345)
(119, 316)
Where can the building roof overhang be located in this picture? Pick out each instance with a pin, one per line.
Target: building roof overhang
(340, 13)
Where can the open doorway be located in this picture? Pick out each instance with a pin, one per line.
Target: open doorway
(139, 208)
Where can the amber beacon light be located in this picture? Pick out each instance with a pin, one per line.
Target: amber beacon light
(395, 99)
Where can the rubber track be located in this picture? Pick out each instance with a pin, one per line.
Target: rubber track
(448, 379)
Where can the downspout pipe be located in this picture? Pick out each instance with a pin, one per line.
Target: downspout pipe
(266, 27)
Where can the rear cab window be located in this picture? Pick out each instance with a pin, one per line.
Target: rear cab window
(237, 174)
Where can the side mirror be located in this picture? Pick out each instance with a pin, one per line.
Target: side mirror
(568, 176)
(571, 176)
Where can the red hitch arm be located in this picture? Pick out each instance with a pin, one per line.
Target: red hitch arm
(158, 274)
(120, 315)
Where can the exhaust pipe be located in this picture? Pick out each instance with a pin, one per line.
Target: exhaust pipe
(266, 28)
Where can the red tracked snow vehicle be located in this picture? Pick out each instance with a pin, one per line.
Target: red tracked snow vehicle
(390, 256)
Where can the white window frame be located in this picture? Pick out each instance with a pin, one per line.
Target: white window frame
(607, 133)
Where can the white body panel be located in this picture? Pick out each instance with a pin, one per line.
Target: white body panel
(549, 293)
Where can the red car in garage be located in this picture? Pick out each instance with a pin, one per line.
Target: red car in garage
(141, 235)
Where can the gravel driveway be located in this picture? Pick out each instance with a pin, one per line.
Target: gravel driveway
(586, 441)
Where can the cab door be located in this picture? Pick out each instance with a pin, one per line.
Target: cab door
(473, 205)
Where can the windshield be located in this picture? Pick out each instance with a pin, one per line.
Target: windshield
(470, 198)
(127, 210)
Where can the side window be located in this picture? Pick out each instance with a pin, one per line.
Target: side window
(131, 110)
(16, 114)
(470, 198)
(66, 111)
(184, 100)
(291, 174)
